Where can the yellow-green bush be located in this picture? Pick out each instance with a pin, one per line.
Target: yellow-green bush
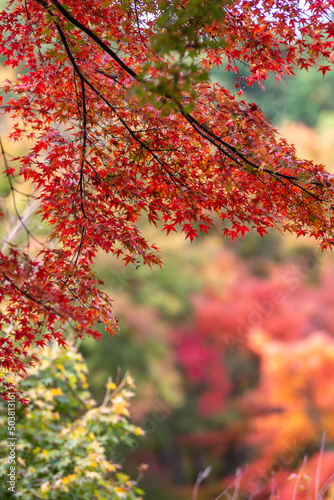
(65, 443)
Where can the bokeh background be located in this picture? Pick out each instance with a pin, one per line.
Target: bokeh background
(231, 344)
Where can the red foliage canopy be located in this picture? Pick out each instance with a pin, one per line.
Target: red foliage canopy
(116, 98)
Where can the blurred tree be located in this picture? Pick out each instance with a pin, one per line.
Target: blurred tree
(65, 445)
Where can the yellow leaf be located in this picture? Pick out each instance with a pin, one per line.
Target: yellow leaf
(56, 391)
(111, 386)
(69, 479)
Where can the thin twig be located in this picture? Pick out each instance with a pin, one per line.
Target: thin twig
(299, 478)
(325, 486)
(19, 226)
(227, 489)
(200, 478)
(317, 474)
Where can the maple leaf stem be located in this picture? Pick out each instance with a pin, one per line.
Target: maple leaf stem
(111, 77)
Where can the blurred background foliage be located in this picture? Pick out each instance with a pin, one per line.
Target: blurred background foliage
(305, 98)
(65, 444)
(231, 345)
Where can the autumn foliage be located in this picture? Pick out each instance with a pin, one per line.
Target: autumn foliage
(255, 358)
(240, 352)
(123, 121)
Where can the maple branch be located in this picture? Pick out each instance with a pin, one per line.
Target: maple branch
(79, 249)
(211, 137)
(111, 77)
(84, 109)
(161, 162)
(26, 9)
(28, 296)
(90, 33)
(187, 116)
(174, 179)
(83, 99)
(206, 133)
(84, 143)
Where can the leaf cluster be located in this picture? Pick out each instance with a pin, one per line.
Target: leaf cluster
(66, 445)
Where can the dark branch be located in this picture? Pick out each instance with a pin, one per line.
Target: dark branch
(207, 134)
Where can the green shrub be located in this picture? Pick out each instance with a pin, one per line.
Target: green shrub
(65, 443)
